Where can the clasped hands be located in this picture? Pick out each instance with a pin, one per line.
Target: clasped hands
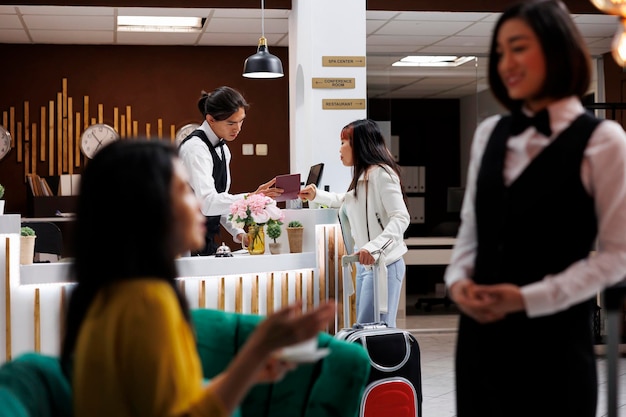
(486, 303)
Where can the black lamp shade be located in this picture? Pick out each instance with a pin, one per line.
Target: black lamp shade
(263, 65)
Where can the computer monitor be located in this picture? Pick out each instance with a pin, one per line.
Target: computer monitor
(315, 174)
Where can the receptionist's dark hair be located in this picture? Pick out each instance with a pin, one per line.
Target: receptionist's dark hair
(124, 225)
(568, 65)
(221, 103)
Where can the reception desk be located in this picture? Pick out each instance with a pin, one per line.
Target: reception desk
(34, 297)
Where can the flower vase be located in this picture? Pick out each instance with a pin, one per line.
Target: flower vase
(256, 240)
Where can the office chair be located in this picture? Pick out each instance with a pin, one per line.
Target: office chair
(49, 242)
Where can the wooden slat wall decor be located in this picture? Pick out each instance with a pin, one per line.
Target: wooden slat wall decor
(77, 141)
(299, 286)
(254, 304)
(37, 318)
(19, 142)
(221, 294)
(309, 291)
(202, 294)
(270, 294)
(51, 137)
(128, 121)
(70, 135)
(42, 120)
(59, 136)
(64, 128)
(12, 124)
(58, 140)
(33, 153)
(284, 289)
(239, 295)
(26, 126)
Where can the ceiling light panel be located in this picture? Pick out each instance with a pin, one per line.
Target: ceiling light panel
(159, 24)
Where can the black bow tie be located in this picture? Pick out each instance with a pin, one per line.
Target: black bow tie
(541, 121)
(219, 144)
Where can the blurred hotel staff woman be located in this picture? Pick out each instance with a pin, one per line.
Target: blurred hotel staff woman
(206, 156)
(129, 346)
(374, 215)
(544, 185)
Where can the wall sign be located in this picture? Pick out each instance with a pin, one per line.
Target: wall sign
(343, 61)
(332, 83)
(343, 103)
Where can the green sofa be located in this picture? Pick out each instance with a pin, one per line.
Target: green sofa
(32, 385)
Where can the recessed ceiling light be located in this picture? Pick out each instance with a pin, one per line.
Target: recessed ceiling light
(159, 24)
(433, 61)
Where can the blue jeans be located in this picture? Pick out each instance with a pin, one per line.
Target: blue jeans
(365, 294)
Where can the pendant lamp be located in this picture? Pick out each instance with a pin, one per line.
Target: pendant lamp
(263, 64)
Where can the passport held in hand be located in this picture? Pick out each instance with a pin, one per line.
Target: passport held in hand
(291, 184)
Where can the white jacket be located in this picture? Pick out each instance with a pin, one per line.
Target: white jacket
(387, 214)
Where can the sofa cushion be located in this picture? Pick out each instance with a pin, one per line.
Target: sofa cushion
(37, 383)
(331, 387)
(11, 405)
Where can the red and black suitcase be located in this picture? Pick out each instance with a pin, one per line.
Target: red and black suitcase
(394, 387)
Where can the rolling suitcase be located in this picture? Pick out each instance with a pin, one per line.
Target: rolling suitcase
(394, 387)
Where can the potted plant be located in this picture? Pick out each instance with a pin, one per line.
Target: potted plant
(294, 234)
(1, 199)
(27, 245)
(274, 231)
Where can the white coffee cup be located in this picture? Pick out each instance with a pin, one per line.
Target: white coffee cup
(303, 348)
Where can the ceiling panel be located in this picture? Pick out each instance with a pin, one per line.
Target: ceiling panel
(390, 35)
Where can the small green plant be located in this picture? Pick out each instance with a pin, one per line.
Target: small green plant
(274, 230)
(27, 231)
(295, 223)
(1, 190)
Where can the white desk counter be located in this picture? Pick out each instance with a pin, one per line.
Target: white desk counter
(198, 267)
(33, 297)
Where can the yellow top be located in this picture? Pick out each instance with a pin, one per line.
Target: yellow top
(136, 356)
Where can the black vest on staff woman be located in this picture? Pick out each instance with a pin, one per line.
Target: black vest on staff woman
(219, 176)
(540, 224)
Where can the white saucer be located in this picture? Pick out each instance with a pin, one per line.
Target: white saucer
(305, 357)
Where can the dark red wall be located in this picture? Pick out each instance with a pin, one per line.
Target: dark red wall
(157, 82)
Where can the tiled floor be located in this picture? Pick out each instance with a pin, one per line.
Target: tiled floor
(436, 335)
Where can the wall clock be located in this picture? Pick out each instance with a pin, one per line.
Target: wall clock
(184, 131)
(95, 137)
(5, 142)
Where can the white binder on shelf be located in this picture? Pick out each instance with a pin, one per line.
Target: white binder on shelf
(409, 179)
(415, 205)
(421, 179)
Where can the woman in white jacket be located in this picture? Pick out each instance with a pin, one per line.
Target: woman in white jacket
(374, 216)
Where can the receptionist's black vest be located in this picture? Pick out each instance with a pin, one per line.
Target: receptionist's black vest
(219, 176)
(541, 223)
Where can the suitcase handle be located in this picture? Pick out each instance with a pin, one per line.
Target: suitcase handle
(369, 326)
(348, 259)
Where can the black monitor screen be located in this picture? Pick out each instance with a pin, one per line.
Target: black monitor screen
(315, 175)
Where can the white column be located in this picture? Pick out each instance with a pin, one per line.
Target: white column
(320, 28)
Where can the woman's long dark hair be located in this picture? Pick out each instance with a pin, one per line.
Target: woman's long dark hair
(368, 148)
(124, 225)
